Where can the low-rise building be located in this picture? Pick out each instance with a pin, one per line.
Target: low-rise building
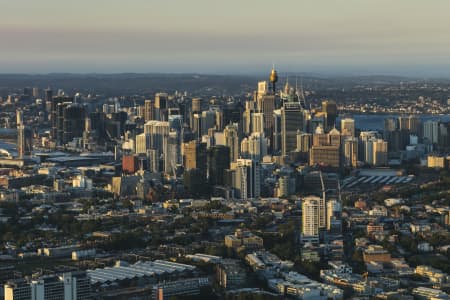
(376, 253)
(243, 238)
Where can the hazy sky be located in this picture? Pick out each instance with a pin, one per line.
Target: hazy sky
(361, 36)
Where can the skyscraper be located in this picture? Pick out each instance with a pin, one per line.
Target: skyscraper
(310, 219)
(24, 137)
(74, 119)
(218, 162)
(149, 110)
(231, 139)
(257, 146)
(329, 107)
(291, 122)
(431, 132)
(351, 152)
(161, 106)
(348, 127)
(380, 152)
(247, 179)
(172, 156)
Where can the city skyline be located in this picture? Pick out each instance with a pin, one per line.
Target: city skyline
(351, 37)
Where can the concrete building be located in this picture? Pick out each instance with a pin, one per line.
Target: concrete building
(310, 219)
(348, 127)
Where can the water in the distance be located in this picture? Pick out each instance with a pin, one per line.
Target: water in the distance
(376, 122)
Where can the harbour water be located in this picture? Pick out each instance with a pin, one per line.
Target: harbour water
(376, 121)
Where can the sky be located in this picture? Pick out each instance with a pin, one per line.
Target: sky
(392, 37)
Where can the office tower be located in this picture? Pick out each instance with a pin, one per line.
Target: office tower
(390, 124)
(310, 219)
(351, 152)
(266, 106)
(142, 143)
(431, 132)
(247, 182)
(231, 140)
(304, 142)
(154, 160)
(196, 105)
(325, 155)
(219, 120)
(257, 146)
(365, 146)
(74, 119)
(444, 137)
(176, 122)
(161, 106)
(172, 156)
(291, 122)
(149, 110)
(218, 162)
(414, 125)
(329, 107)
(410, 123)
(334, 213)
(54, 115)
(208, 121)
(247, 117)
(277, 140)
(348, 127)
(24, 137)
(263, 88)
(245, 148)
(48, 95)
(195, 156)
(380, 152)
(197, 126)
(159, 132)
(257, 122)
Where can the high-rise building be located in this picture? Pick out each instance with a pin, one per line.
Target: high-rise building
(231, 140)
(380, 152)
(195, 156)
(431, 132)
(348, 127)
(208, 121)
(172, 156)
(304, 142)
(277, 131)
(196, 105)
(149, 110)
(56, 117)
(351, 152)
(142, 143)
(257, 122)
(291, 122)
(218, 162)
(266, 106)
(329, 107)
(365, 146)
(334, 212)
(247, 182)
(411, 123)
(390, 124)
(74, 119)
(257, 146)
(161, 106)
(325, 155)
(310, 219)
(24, 137)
